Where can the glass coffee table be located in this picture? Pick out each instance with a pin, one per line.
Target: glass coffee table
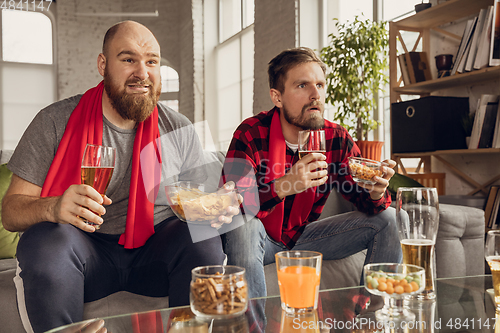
(462, 305)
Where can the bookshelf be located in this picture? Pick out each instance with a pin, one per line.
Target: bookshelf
(474, 77)
(423, 23)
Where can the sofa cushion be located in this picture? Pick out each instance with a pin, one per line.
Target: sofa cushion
(460, 241)
(8, 240)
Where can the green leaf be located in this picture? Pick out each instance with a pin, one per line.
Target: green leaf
(357, 61)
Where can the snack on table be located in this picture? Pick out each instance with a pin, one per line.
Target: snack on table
(393, 283)
(219, 294)
(194, 205)
(363, 169)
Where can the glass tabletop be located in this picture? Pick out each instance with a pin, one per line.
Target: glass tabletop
(463, 304)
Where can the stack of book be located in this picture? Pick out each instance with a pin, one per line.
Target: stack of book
(486, 126)
(491, 216)
(480, 44)
(414, 67)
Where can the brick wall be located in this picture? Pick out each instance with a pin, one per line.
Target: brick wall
(275, 30)
(79, 42)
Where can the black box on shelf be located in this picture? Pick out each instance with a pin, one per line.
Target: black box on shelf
(428, 124)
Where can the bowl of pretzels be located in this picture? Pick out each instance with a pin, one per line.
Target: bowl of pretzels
(218, 291)
(192, 204)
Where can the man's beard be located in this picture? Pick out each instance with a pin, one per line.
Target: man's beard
(135, 107)
(304, 121)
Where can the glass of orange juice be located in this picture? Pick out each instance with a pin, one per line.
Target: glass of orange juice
(299, 273)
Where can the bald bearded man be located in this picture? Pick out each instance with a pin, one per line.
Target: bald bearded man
(124, 240)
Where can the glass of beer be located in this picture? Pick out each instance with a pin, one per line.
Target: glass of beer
(98, 163)
(312, 141)
(417, 213)
(492, 255)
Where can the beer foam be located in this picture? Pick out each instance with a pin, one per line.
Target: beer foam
(418, 242)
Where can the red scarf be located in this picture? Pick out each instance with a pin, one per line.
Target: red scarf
(85, 125)
(303, 202)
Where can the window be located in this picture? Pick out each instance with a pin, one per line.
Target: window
(27, 73)
(169, 79)
(169, 87)
(349, 9)
(235, 67)
(235, 15)
(26, 37)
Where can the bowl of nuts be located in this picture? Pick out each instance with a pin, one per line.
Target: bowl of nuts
(363, 170)
(218, 292)
(192, 204)
(395, 283)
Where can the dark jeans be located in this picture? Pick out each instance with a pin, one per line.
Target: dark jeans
(335, 237)
(61, 267)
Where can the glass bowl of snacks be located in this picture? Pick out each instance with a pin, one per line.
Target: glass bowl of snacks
(218, 291)
(192, 204)
(363, 169)
(395, 283)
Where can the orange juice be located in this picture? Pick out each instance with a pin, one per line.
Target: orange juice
(299, 286)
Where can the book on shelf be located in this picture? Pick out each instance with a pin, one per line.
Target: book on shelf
(404, 69)
(471, 57)
(491, 207)
(479, 116)
(483, 50)
(418, 66)
(496, 136)
(494, 59)
(489, 122)
(464, 44)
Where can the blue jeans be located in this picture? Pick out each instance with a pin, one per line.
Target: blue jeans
(335, 237)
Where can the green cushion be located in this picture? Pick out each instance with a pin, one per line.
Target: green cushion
(8, 240)
(399, 180)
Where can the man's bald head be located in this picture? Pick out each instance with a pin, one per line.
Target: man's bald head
(121, 27)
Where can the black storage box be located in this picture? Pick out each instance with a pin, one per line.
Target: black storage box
(428, 124)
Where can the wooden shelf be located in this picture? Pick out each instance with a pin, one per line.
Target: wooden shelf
(422, 23)
(474, 77)
(449, 152)
(446, 12)
(425, 157)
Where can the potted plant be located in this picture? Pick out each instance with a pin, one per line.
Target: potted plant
(357, 61)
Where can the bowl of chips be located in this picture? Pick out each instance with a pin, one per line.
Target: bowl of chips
(192, 204)
(363, 169)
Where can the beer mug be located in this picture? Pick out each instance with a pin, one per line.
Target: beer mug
(417, 213)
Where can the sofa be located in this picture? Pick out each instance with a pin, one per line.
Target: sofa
(460, 237)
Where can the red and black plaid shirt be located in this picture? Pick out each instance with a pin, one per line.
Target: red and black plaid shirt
(247, 164)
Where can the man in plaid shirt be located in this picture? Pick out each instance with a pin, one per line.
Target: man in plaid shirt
(287, 194)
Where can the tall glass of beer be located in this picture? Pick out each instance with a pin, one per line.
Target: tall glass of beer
(417, 213)
(98, 164)
(312, 141)
(492, 255)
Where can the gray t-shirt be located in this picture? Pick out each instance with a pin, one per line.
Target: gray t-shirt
(182, 156)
